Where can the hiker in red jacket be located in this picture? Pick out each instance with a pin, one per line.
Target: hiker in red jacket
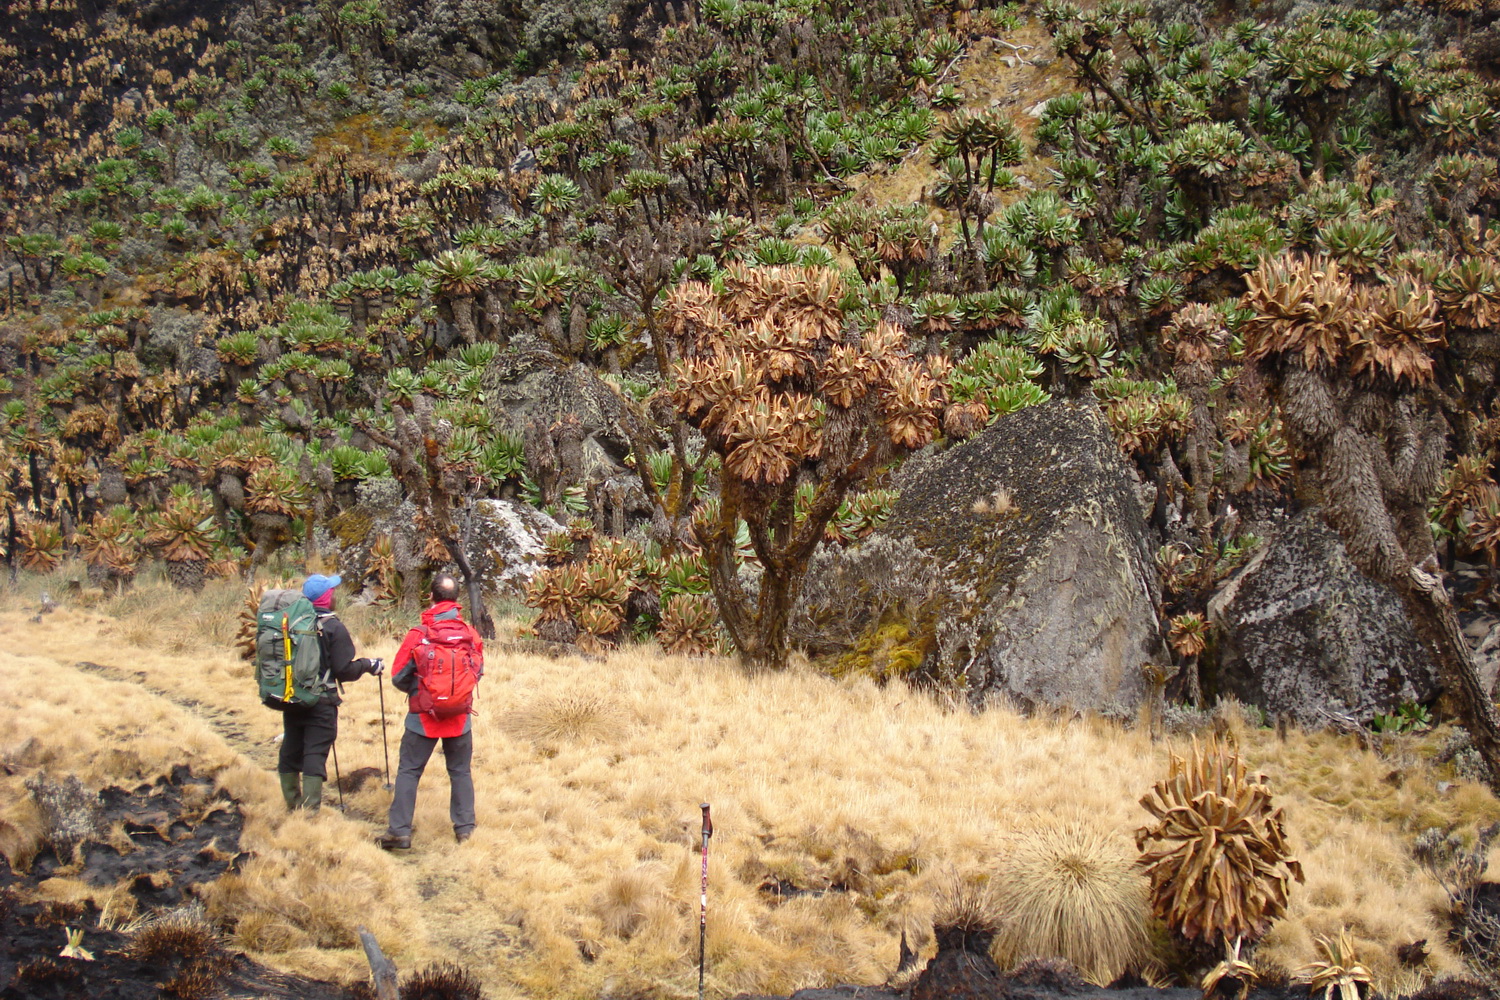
(437, 666)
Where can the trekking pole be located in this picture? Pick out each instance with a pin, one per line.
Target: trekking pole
(338, 779)
(380, 675)
(708, 831)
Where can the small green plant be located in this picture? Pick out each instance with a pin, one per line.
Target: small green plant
(1411, 717)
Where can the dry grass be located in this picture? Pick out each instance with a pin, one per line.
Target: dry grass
(1071, 889)
(965, 901)
(185, 933)
(572, 717)
(582, 876)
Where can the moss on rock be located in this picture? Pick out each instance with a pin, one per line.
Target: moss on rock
(1015, 565)
(351, 527)
(890, 651)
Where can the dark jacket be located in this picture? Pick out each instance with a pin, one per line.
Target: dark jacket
(339, 664)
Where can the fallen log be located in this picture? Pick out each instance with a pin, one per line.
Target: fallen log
(382, 968)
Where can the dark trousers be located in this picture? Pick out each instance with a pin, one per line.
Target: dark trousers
(416, 750)
(307, 735)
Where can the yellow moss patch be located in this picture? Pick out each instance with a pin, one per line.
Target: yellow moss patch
(888, 652)
(365, 133)
(350, 527)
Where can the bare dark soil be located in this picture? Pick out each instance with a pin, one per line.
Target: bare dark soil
(183, 833)
(958, 973)
(174, 845)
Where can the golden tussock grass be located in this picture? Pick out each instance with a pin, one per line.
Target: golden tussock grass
(1071, 889)
(840, 808)
(571, 717)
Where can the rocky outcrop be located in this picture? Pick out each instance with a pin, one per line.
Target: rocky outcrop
(530, 387)
(503, 538)
(1303, 633)
(506, 541)
(1016, 565)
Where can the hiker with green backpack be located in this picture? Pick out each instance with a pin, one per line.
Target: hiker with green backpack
(303, 653)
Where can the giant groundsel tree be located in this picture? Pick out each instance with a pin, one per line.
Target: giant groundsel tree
(789, 392)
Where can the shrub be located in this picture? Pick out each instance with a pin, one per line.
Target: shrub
(1221, 868)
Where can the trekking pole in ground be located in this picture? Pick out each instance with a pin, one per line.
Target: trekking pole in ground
(338, 779)
(380, 674)
(708, 831)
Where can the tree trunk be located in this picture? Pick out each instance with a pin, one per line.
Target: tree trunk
(478, 613)
(1436, 623)
(10, 541)
(724, 580)
(773, 612)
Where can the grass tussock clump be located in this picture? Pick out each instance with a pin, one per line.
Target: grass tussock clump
(964, 913)
(632, 899)
(443, 981)
(1071, 890)
(571, 718)
(182, 933)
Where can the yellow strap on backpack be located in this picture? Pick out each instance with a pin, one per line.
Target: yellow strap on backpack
(286, 639)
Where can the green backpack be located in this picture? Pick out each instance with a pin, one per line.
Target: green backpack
(288, 656)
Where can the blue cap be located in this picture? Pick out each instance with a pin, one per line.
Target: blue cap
(317, 585)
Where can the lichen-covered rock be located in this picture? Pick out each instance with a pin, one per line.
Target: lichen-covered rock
(1017, 565)
(1487, 661)
(1303, 632)
(503, 540)
(71, 811)
(527, 387)
(506, 544)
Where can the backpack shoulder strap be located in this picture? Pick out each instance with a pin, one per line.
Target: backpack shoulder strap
(327, 675)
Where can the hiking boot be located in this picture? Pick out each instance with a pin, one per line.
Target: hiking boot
(312, 793)
(462, 835)
(391, 842)
(291, 789)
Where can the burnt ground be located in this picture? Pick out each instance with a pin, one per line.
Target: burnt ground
(180, 832)
(957, 973)
(162, 840)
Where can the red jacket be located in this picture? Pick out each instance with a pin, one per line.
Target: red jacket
(404, 676)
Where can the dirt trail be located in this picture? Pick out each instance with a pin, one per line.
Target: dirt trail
(225, 722)
(213, 685)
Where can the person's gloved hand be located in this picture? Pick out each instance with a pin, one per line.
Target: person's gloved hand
(376, 666)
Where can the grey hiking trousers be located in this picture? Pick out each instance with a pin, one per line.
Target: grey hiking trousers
(416, 750)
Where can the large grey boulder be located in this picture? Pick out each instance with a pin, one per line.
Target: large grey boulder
(1303, 633)
(505, 544)
(1016, 565)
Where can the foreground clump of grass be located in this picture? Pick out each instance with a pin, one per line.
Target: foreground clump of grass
(841, 808)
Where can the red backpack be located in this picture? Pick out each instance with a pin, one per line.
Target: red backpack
(448, 667)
